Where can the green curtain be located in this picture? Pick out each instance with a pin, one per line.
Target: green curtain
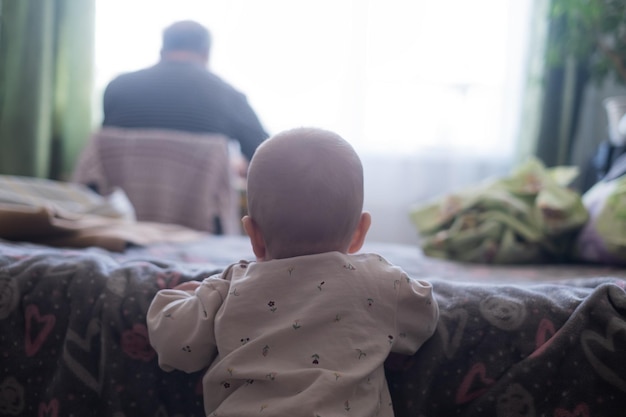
(560, 103)
(553, 95)
(46, 79)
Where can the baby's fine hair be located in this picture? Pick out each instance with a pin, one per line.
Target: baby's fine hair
(305, 192)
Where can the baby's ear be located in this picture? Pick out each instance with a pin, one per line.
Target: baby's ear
(256, 237)
(361, 231)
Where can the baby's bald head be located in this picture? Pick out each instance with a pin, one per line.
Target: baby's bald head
(305, 192)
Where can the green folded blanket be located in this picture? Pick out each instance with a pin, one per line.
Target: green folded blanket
(529, 216)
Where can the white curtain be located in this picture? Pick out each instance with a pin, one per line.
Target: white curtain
(428, 92)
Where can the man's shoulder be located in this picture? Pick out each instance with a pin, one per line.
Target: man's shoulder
(130, 76)
(223, 83)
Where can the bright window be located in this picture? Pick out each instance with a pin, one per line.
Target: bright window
(391, 76)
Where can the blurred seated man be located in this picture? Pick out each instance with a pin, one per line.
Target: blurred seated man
(180, 93)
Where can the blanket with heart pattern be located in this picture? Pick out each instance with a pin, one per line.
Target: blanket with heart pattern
(73, 341)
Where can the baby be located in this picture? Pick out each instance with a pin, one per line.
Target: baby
(304, 330)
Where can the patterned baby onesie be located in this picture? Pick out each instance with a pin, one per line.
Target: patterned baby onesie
(303, 336)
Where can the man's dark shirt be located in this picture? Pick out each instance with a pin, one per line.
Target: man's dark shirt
(182, 96)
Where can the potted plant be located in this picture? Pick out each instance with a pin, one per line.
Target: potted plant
(593, 33)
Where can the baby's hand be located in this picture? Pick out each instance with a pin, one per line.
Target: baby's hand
(188, 286)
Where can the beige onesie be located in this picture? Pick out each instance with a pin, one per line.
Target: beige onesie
(304, 336)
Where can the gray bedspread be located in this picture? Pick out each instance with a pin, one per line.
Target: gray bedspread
(73, 339)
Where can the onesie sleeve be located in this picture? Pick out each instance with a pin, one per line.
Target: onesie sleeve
(416, 316)
(181, 328)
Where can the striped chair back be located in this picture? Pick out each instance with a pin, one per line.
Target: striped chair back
(169, 176)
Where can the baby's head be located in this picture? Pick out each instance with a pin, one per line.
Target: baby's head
(305, 195)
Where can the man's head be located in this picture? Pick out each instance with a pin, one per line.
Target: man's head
(305, 195)
(186, 40)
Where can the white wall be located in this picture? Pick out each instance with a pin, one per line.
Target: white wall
(393, 184)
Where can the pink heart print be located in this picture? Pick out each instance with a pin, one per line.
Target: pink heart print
(477, 374)
(581, 410)
(543, 338)
(33, 344)
(168, 280)
(49, 410)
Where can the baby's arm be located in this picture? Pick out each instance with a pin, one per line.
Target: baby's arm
(416, 317)
(180, 324)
